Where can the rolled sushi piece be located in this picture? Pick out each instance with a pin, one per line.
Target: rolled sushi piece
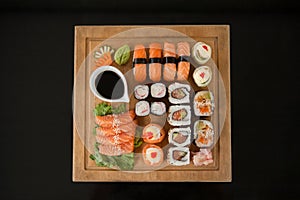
(158, 108)
(203, 133)
(202, 76)
(153, 155)
(153, 133)
(141, 91)
(179, 115)
(179, 156)
(179, 93)
(142, 108)
(180, 136)
(204, 103)
(201, 52)
(158, 90)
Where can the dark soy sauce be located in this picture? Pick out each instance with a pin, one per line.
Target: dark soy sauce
(110, 85)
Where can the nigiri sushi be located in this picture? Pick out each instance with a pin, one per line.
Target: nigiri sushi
(139, 63)
(169, 54)
(183, 51)
(155, 52)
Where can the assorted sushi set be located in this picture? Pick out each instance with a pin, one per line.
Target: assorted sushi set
(183, 133)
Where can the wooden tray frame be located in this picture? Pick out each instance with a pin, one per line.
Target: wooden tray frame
(222, 173)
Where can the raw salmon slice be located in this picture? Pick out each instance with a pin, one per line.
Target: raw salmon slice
(107, 120)
(169, 68)
(183, 49)
(155, 51)
(116, 150)
(114, 140)
(140, 69)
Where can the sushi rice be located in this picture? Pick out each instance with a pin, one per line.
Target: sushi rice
(184, 89)
(158, 90)
(158, 108)
(182, 152)
(203, 133)
(204, 103)
(142, 108)
(186, 132)
(185, 120)
(141, 92)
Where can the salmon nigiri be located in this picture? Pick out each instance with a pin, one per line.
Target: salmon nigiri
(183, 50)
(139, 60)
(170, 64)
(155, 52)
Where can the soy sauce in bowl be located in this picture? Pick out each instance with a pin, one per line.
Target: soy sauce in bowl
(110, 85)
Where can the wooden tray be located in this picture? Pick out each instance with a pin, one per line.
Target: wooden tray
(86, 39)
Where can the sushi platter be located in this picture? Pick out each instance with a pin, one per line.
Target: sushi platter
(152, 103)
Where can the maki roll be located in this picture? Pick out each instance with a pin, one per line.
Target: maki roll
(153, 155)
(179, 93)
(142, 108)
(158, 90)
(201, 52)
(153, 133)
(139, 63)
(179, 156)
(158, 108)
(204, 103)
(155, 52)
(179, 115)
(203, 133)
(169, 61)
(141, 91)
(183, 51)
(180, 136)
(202, 76)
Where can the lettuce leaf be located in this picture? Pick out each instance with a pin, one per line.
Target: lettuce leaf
(104, 108)
(123, 162)
(138, 140)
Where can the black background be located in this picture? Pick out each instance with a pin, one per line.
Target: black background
(36, 80)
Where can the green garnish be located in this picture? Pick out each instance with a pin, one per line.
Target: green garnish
(206, 95)
(201, 125)
(123, 162)
(138, 140)
(175, 134)
(105, 109)
(102, 109)
(122, 55)
(120, 109)
(95, 129)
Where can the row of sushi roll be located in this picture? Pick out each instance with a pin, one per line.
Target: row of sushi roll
(157, 90)
(179, 115)
(153, 134)
(166, 63)
(142, 108)
(181, 138)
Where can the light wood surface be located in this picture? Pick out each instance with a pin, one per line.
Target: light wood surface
(84, 169)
